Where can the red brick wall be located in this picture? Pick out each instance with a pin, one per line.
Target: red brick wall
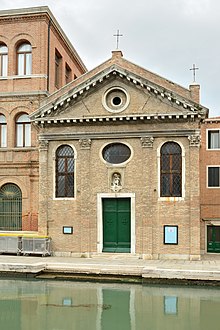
(24, 93)
(210, 197)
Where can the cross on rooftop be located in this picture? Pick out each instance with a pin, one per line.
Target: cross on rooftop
(117, 35)
(194, 68)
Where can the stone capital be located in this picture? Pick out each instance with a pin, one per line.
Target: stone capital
(147, 141)
(43, 144)
(85, 143)
(194, 140)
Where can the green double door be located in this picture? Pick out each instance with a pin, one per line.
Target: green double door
(213, 241)
(116, 225)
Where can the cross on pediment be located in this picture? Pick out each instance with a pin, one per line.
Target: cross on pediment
(117, 35)
(194, 68)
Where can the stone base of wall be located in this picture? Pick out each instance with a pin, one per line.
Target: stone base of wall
(71, 254)
(171, 257)
(128, 255)
(193, 257)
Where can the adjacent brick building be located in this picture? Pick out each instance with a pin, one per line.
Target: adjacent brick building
(36, 59)
(210, 186)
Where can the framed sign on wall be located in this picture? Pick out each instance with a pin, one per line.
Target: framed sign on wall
(170, 234)
(67, 230)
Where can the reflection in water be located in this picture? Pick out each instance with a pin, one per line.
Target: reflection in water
(170, 305)
(118, 317)
(56, 305)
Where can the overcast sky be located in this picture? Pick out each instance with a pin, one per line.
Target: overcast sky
(163, 36)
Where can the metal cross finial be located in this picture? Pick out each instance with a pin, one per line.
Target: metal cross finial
(194, 72)
(117, 35)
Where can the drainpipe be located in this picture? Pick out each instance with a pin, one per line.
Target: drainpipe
(48, 56)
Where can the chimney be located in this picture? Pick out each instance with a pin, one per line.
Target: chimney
(195, 92)
(117, 54)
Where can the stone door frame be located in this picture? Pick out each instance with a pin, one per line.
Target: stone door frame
(100, 197)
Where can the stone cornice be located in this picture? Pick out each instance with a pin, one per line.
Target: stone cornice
(114, 118)
(117, 135)
(76, 93)
(24, 94)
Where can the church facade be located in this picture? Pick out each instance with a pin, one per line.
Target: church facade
(119, 152)
(114, 160)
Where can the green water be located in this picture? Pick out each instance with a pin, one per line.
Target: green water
(56, 305)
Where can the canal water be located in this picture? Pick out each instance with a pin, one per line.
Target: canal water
(67, 305)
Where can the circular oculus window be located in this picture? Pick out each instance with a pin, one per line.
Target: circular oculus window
(115, 99)
(116, 153)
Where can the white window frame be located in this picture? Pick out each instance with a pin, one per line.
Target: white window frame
(207, 138)
(24, 60)
(172, 199)
(119, 164)
(4, 61)
(207, 176)
(23, 132)
(54, 171)
(3, 131)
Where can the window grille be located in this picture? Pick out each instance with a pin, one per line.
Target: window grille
(171, 170)
(65, 171)
(10, 207)
(116, 153)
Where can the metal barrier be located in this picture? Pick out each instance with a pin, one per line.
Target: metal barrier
(10, 244)
(25, 244)
(35, 245)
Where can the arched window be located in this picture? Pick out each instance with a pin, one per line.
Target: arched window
(171, 170)
(3, 60)
(24, 59)
(10, 207)
(3, 131)
(65, 171)
(23, 131)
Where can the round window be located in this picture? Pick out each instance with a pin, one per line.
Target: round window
(116, 153)
(115, 99)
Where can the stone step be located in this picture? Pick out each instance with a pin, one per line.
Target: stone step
(187, 274)
(115, 256)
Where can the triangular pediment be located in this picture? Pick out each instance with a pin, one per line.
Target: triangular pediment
(86, 99)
